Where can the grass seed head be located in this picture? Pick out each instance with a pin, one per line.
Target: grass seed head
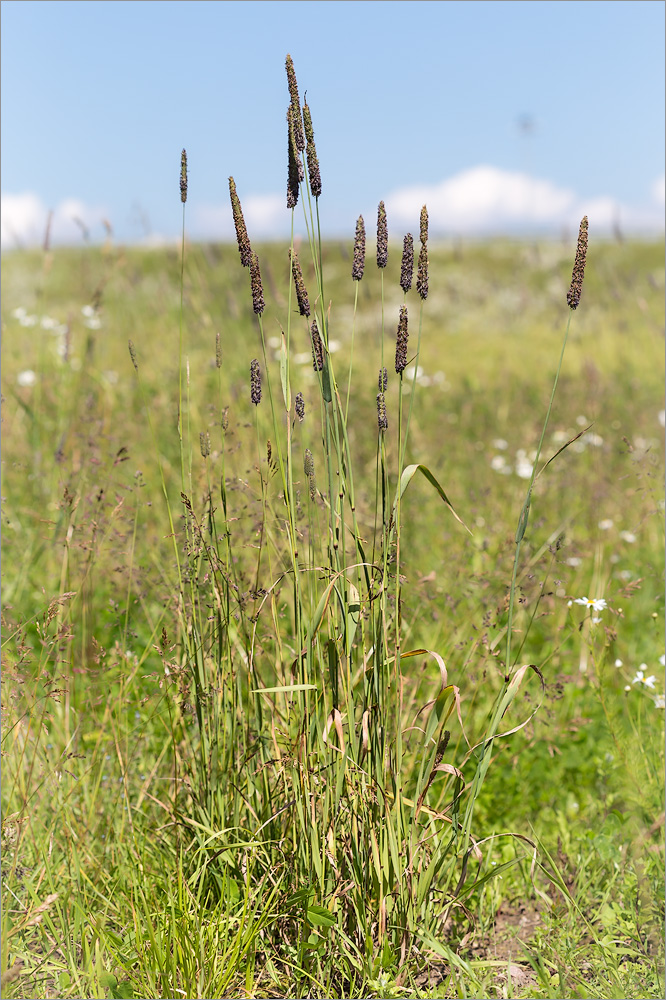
(407, 265)
(383, 379)
(204, 444)
(311, 153)
(574, 293)
(294, 165)
(255, 382)
(422, 272)
(244, 248)
(132, 353)
(382, 236)
(301, 291)
(257, 288)
(423, 225)
(359, 250)
(218, 351)
(183, 177)
(382, 419)
(295, 103)
(317, 347)
(401, 342)
(299, 405)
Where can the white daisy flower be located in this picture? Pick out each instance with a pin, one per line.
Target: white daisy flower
(594, 603)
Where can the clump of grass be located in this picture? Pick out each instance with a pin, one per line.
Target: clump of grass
(305, 740)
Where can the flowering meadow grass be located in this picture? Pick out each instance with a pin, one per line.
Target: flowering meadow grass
(331, 667)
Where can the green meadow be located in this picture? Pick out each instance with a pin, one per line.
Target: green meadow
(331, 682)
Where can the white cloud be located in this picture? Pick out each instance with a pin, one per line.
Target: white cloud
(659, 191)
(25, 218)
(486, 199)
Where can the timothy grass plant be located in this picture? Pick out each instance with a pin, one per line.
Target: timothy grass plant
(299, 751)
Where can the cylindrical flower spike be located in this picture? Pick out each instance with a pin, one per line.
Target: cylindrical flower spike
(382, 236)
(317, 347)
(257, 288)
(132, 353)
(359, 250)
(574, 293)
(294, 165)
(423, 225)
(382, 419)
(422, 272)
(255, 382)
(383, 379)
(218, 351)
(299, 406)
(401, 342)
(311, 153)
(301, 291)
(295, 103)
(407, 266)
(243, 240)
(183, 177)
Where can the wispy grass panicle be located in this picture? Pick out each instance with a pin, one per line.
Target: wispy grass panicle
(218, 351)
(311, 153)
(243, 240)
(383, 379)
(382, 419)
(382, 236)
(257, 288)
(299, 405)
(183, 177)
(204, 444)
(294, 165)
(255, 382)
(401, 342)
(576, 288)
(301, 291)
(359, 250)
(317, 347)
(132, 354)
(407, 265)
(295, 104)
(422, 272)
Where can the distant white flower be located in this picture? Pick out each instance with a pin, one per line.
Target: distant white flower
(640, 678)
(48, 323)
(498, 463)
(87, 311)
(28, 377)
(627, 687)
(595, 621)
(628, 536)
(662, 659)
(582, 421)
(595, 603)
(594, 439)
(574, 561)
(618, 663)
(659, 701)
(27, 320)
(501, 444)
(18, 312)
(606, 524)
(94, 323)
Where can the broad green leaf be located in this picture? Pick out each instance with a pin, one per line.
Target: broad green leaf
(319, 916)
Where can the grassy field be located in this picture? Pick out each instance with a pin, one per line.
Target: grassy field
(277, 722)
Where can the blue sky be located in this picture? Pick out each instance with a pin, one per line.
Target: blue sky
(412, 102)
